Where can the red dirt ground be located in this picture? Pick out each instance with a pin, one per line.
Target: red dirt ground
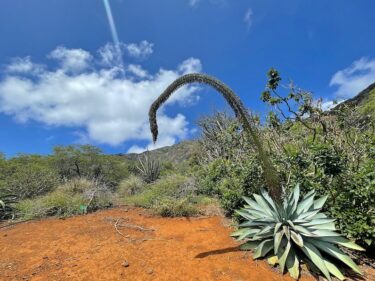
(91, 248)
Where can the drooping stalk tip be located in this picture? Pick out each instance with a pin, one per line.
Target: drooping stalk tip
(241, 113)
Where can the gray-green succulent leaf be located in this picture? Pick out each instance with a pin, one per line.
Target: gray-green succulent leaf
(293, 231)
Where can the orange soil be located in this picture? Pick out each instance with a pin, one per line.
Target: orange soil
(90, 248)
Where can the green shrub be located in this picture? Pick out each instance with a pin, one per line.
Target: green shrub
(57, 203)
(229, 181)
(28, 181)
(78, 186)
(86, 161)
(73, 197)
(173, 195)
(176, 208)
(131, 186)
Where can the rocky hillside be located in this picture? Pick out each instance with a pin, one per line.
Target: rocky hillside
(365, 101)
(174, 154)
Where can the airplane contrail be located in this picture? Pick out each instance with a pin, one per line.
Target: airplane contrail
(112, 26)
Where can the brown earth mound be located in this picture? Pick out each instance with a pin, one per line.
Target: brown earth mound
(121, 244)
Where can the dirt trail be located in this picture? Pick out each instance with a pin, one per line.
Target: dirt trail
(90, 248)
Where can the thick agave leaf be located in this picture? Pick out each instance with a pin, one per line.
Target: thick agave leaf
(306, 203)
(263, 203)
(333, 270)
(314, 255)
(286, 231)
(2, 204)
(277, 227)
(335, 252)
(297, 238)
(290, 223)
(326, 226)
(317, 222)
(250, 245)
(273, 260)
(256, 214)
(277, 240)
(269, 200)
(319, 216)
(296, 194)
(244, 214)
(308, 215)
(322, 232)
(256, 223)
(263, 248)
(265, 232)
(244, 232)
(303, 230)
(292, 264)
(283, 255)
(343, 242)
(255, 206)
(319, 203)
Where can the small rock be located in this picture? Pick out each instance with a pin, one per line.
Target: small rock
(45, 257)
(149, 270)
(125, 263)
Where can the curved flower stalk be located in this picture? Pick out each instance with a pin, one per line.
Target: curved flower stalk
(293, 232)
(241, 113)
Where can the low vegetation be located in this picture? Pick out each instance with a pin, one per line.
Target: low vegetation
(171, 196)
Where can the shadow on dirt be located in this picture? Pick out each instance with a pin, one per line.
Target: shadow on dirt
(217, 252)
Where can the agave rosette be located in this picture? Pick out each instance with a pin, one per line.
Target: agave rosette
(293, 232)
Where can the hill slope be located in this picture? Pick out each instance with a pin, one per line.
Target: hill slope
(174, 154)
(365, 101)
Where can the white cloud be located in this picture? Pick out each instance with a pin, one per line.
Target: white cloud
(74, 60)
(23, 65)
(329, 104)
(137, 70)
(248, 18)
(355, 78)
(110, 55)
(141, 50)
(111, 106)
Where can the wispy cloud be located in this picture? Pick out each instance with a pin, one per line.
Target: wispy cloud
(109, 103)
(193, 2)
(351, 80)
(248, 18)
(139, 50)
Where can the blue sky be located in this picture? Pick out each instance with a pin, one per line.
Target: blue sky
(63, 81)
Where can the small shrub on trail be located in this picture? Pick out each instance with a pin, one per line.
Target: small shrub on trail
(179, 208)
(171, 196)
(73, 197)
(131, 186)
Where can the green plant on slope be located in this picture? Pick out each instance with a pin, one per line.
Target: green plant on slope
(149, 168)
(292, 232)
(6, 206)
(242, 114)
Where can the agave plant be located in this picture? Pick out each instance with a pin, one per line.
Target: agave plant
(149, 168)
(6, 206)
(292, 232)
